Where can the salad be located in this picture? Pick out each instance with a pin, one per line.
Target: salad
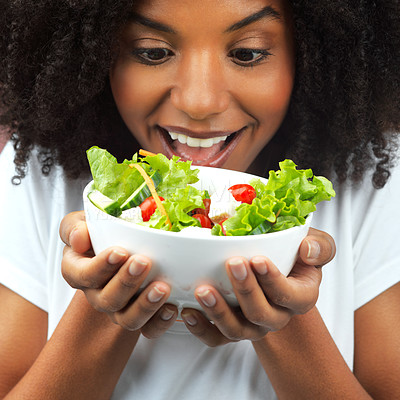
(155, 191)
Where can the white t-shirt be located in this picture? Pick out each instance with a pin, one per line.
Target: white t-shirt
(364, 222)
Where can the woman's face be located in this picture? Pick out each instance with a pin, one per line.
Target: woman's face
(209, 81)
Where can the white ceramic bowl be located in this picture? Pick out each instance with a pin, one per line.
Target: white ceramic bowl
(185, 262)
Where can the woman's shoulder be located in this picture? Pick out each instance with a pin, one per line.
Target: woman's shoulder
(53, 189)
(361, 213)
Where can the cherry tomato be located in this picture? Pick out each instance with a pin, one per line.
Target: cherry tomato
(243, 192)
(148, 207)
(204, 211)
(204, 220)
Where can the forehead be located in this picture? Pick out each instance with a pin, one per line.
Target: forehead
(212, 13)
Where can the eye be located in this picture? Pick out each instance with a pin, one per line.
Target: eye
(153, 56)
(248, 57)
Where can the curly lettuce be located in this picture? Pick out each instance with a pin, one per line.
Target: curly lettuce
(178, 205)
(281, 203)
(285, 201)
(118, 181)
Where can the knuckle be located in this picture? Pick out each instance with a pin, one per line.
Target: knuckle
(307, 303)
(234, 335)
(244, 291)
(124, 323)
(98, 307)
(147, 308)
(258, 333)
(280, 299)
(107, 304)
(127, 283)
(258, 318)
(128, 326)
(86, 280)
(219, 316)
(151, 333)
(154, 329)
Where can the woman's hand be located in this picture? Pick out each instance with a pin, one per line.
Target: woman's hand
(111, 281)
(267, 298)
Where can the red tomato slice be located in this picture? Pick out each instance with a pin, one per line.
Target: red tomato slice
(204, 220)
(148, 207)
(204, 211)
(243, 192)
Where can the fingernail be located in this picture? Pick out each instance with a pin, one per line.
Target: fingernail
(313, 249)
(238, 269)
(207, 298)
(137, 266)
(115, 257)
(259, 265)
(167, 314)
(155, 295)
(189, 318)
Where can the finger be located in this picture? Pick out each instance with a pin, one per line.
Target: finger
(120, 289)
(298, 292)
(251, 297)
(83, 272)
(144, 307)
(74, 233)
(203, 329)
(318, 248)
(231, 324)
(162, 320)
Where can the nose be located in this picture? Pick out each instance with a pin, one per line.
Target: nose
(200, 89)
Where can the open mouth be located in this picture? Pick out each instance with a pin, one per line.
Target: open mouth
(210, 151)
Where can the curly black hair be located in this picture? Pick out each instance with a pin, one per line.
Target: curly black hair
(344, 115)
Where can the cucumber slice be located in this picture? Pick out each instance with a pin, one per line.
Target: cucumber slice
(264, 227)
(141, 193)
(104, 203)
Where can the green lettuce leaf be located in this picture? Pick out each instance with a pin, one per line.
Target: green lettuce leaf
(177, 206)
(249, 216)
(118, 180)
(285, 201)
(288, 197)
(175, 174)
(115, 180)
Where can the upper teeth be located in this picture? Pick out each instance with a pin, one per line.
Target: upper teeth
(196, 142)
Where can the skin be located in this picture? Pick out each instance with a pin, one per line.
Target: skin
(200, 84)
(200, 102)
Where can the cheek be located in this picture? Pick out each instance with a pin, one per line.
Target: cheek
(134, 92)
(271, 95)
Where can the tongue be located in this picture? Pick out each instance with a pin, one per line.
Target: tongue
(196, 153)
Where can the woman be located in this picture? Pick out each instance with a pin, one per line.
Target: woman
(317, 83)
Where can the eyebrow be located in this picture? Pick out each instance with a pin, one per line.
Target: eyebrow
(266, 12)
(140, 19)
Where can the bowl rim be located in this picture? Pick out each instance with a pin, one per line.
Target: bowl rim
(211, 238)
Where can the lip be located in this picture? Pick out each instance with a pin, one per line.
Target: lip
(216, 161)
